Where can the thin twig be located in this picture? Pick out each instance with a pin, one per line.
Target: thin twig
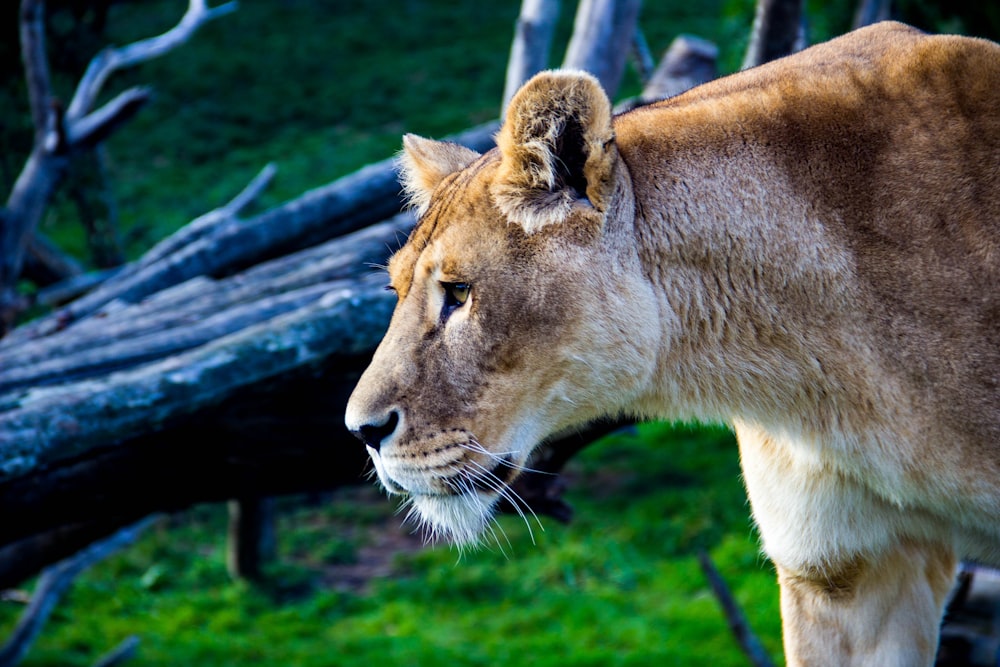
(741, 629)
(205, 223)
(120, 653)
(250, 193)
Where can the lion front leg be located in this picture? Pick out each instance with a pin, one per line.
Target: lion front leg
(883, 611)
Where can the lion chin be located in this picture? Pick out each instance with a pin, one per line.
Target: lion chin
(460, 519)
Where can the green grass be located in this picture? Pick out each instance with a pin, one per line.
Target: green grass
(618, 586)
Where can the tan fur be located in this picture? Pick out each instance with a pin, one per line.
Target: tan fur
(809, 250)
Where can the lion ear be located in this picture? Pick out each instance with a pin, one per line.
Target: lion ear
(424, 163)
(557, 151)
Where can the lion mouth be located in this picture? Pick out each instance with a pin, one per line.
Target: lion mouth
(459, 507)
(454, 489)
(474, 477)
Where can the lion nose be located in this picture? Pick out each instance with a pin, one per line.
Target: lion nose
(374, 435)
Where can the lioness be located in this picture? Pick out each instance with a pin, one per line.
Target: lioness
(808, 250)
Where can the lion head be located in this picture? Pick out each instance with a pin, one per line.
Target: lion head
(522, 306)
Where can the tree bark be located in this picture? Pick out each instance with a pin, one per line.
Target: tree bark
(602, 37)
(529, 50)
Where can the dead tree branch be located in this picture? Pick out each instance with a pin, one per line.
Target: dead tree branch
(602, 37)
(111, 60)
(227, 243)
(57, 134)
(36, 65)
(741, 629)
(60, 293)
(529, 50)
(120, 653)
(47, 424)
(53, 583)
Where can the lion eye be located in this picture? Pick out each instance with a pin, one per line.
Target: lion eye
(455, 296)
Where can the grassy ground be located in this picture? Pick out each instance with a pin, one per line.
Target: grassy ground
(618, 586)
(322, 88)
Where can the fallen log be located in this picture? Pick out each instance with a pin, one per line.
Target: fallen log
(196, 312)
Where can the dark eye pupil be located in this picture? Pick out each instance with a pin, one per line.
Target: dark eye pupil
(455, 296)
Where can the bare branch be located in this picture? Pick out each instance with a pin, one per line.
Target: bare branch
(113, 59)
(602, 34)
(741, 629)
(529, 50)
(57, 132)
(36, 64)
(53, 584)
(27, 202)
(359, 199)
(71, 288)
(95, 127)
(250, 193)
(120, 653)
(205, 224)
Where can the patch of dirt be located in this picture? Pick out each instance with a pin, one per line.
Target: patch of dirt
(381, 539)
(378, 558)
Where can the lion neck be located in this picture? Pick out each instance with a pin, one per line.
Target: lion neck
(752, 292)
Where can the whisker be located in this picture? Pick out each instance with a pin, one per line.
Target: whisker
(467, 481)
(464, 489)
(510, 495)
(500, 457)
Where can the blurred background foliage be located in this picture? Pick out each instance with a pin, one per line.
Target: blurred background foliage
(322, 88)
